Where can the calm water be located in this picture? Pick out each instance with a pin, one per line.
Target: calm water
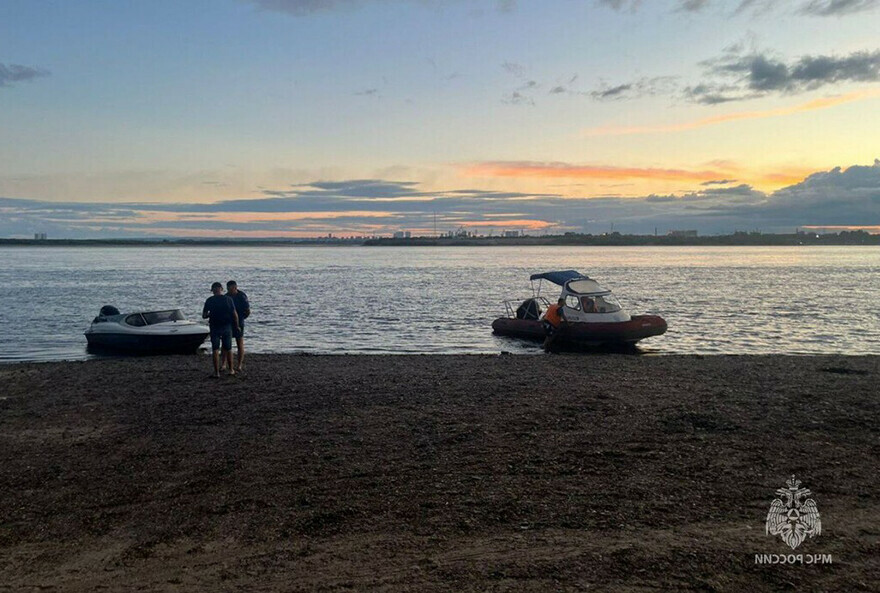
(408, 300)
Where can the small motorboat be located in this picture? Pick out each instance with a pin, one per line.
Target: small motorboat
(595, 317)
(148, 332)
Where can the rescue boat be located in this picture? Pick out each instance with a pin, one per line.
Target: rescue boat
(594, 316)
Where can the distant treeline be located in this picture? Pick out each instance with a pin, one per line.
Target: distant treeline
(617, 239)
(177, 242)
(608, 239)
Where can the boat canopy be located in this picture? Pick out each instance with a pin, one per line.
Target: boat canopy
(586, 286)
(559, 277)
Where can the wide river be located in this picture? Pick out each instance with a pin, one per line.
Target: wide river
(792, 300)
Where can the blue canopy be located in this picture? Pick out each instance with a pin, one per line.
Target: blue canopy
(560, 277)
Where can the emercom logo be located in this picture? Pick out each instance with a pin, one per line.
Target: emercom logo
(791, 517)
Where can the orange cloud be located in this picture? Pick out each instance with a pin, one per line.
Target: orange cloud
(783, 177)
(719, 170)
(873, 229)
(556, 170)
(518, 224)
(815, 104)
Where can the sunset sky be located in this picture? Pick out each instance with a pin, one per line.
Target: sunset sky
(301, 117)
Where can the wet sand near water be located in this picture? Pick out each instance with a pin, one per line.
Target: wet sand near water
(435, 473)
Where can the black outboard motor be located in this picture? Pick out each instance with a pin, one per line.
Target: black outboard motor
(529, 309)
(108, 310)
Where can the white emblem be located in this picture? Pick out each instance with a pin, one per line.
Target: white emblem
(790, 517)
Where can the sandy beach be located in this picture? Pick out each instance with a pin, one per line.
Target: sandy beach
(435, 473)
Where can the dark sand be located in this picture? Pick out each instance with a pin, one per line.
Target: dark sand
(435, 473)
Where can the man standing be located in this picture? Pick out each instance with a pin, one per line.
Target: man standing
(220, 312)
(243, 310)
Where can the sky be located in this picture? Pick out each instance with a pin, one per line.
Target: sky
(293, 118)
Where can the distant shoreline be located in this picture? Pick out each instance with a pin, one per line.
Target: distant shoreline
(570, 239)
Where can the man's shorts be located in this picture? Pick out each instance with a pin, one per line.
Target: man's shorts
(238, 333)
(221, 334)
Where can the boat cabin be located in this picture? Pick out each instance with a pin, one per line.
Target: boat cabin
(586, 301)
(111, 314)
(154, 317)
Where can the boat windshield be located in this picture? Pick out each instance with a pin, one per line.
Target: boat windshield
(163, 316)
(600, 304)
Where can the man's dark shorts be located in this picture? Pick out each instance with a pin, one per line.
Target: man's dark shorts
(238, 333)
(221, 334)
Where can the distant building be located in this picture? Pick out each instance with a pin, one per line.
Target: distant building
(682, 233)
(407, 235)
(398, 235)
(39, 236)
(511, 233)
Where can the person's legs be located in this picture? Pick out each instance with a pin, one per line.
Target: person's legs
(553, 341)
(549, 332)
(227, 348)
(215, 350)
(239, 345)
(228, 354)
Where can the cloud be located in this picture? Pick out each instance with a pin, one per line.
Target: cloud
(693, 5)
(739, 74)
(642, 87)
(515, 69)
(808, 7)
(557, 170)
(735, 76)
(12, 73)
(719, 182)
(630, 5)
(522, 94)
(836, 197)
(844, 198)
(614, 92)
(820, 8)
(568, 170)
(814, 105)
(838, 7)
(518, 98)
(307, 7)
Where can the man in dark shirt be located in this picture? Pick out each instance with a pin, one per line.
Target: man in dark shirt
(243, 309)
(219, 310)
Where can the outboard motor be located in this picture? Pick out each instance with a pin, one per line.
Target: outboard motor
(529, 309)
(108, 310)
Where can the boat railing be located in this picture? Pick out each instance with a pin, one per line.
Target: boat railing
(511, 305)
